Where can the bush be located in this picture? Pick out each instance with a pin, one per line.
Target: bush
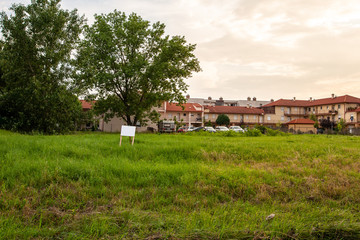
(253, 133)
(261, 128)
(271, 132)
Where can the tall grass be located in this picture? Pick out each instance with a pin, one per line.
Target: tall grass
(179, 186)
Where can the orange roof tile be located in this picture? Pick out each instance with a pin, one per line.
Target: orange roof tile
(288, 103)
(308, 103)
(234, 110)
(188, 107)
(301, 121)
(86, 104)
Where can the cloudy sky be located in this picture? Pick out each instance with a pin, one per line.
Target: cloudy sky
(257, 48)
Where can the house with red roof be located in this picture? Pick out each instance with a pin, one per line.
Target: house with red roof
(189, 114)
(302, 125)
(333, 108)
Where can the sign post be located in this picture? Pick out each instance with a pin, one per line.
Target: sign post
(128, 131)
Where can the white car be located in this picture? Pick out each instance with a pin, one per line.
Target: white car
(209, 129)
(221, 129)
(189, 129)
(236, 129)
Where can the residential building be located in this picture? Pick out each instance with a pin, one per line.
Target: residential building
(302, 125)
(333, 108)
(189, 114)
(239, 116)
(249, 102)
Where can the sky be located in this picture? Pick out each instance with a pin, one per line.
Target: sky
(268, 49)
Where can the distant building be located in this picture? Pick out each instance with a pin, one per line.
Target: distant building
(249, 102)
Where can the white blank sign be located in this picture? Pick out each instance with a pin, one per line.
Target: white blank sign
(128, 131)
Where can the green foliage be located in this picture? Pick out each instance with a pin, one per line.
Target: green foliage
(261, 128)
(271, 132)
(223, 119)
(208, 124)
(341, 125)
(253, 133)
(133, 66)
(38, 43)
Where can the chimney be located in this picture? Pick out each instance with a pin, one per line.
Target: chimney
(294, 98)
(248, 105)
(260, 104)
(271, 100)
(254, 99)
(209, 98)
(221, 99)
(187, 96)
(249, 98)
(332, 95)
(310, 99)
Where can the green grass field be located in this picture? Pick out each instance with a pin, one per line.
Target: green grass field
(85, 186)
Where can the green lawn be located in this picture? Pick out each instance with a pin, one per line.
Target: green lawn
(179, 187)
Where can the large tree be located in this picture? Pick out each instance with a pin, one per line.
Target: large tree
(133, 66)
(38, 44)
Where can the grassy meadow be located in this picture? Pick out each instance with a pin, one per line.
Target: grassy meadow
(84, 186)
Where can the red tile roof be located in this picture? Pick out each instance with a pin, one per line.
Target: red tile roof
(301, 121)
(86, 104)
(188, 107)
(308, 103)
(336, 100)
(234, 110)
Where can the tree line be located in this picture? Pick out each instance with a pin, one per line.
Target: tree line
(49, 57)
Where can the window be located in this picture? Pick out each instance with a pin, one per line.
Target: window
(309, 109)
(184, 114)
(282, 109)
(169, 115)
(327, 107)
(269, 118)
(289, 119)
(295, 108)
(282, 118)
(321, 107)
(214, 115)
(339, 117)
(339, 106)
(246, 116)
(206, 116)
(254, 117)
(235, 117)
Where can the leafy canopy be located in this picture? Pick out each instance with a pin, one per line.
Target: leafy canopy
(38, 42)
(223, 119)
(133, 66)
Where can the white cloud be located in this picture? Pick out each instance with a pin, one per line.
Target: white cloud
(268, 49)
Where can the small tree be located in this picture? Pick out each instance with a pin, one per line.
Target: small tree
(208, 124)
(327, 124)
(341, 125)
(223, 119)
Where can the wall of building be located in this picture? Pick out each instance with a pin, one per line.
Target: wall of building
(302, 127)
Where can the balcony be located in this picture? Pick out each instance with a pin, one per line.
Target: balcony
(287, 114)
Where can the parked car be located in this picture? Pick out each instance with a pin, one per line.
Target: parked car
(167, 126)
(198, 129)
(189, 129)
(236, 129)
(209, 129)
(221, 129)
(181, 129)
